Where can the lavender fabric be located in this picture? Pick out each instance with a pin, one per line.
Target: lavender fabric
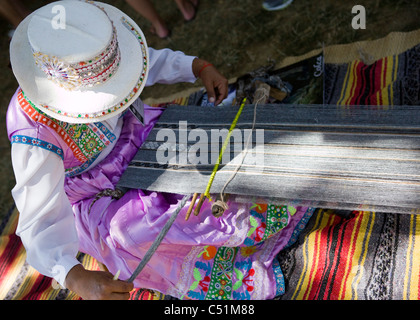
(232, 257)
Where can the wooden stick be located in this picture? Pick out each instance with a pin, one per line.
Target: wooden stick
(194, 199)
(117, 275)
(200, 203)
(159, 239)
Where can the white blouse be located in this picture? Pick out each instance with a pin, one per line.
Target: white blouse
(46, 222)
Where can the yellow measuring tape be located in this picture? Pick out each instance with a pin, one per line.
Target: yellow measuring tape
(222, 151)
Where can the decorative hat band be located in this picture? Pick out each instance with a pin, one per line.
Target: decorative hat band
(81, 74)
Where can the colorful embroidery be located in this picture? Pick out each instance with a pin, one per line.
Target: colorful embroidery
(277, 219)
(38, 143)
(208, 253)
(213, 282)
(220, 287)
(36, 115)
(71, 172)
(201, 281)
(230, 279)
(248, 251)
(79, 75)
(89, 137)
(128, 99)
(300, 226)
(280, 286)
(266, 220)
(244, 280)
(237, 272)
(86, 141)
(58, 71)
(92, 71)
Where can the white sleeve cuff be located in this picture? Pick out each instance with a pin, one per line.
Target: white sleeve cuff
(62, 268)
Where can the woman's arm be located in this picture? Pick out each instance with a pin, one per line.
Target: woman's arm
(168, 67)
(46, 222)
(214, 82)
(47, 225)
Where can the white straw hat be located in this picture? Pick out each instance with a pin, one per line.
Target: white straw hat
(80, 61)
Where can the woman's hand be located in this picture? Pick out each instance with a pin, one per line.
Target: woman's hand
(214, 82)
(97, 285)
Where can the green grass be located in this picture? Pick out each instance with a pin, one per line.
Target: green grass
(239, 36)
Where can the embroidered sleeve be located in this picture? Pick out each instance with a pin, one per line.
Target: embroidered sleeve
(38, 143)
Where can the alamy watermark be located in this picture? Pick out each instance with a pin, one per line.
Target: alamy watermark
(59, 20)
(359, 20)
(195, 146)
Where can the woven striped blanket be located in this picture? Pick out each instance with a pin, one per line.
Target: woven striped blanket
(392, 80)
(367, 256)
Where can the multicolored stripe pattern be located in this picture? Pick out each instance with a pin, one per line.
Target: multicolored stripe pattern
(19, 281)
(367, 256)
(389, 81)
(369, 84)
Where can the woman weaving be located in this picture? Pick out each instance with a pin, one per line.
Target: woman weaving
(73, 136)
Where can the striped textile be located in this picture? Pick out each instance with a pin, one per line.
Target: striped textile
(367, 256)
(392, 80)
(19, 281)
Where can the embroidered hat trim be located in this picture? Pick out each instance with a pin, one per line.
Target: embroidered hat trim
(88, 73)
(125, 100)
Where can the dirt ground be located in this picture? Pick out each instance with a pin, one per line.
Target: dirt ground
(237, 36)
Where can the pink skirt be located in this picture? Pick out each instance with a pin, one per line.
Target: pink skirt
(232, 257)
